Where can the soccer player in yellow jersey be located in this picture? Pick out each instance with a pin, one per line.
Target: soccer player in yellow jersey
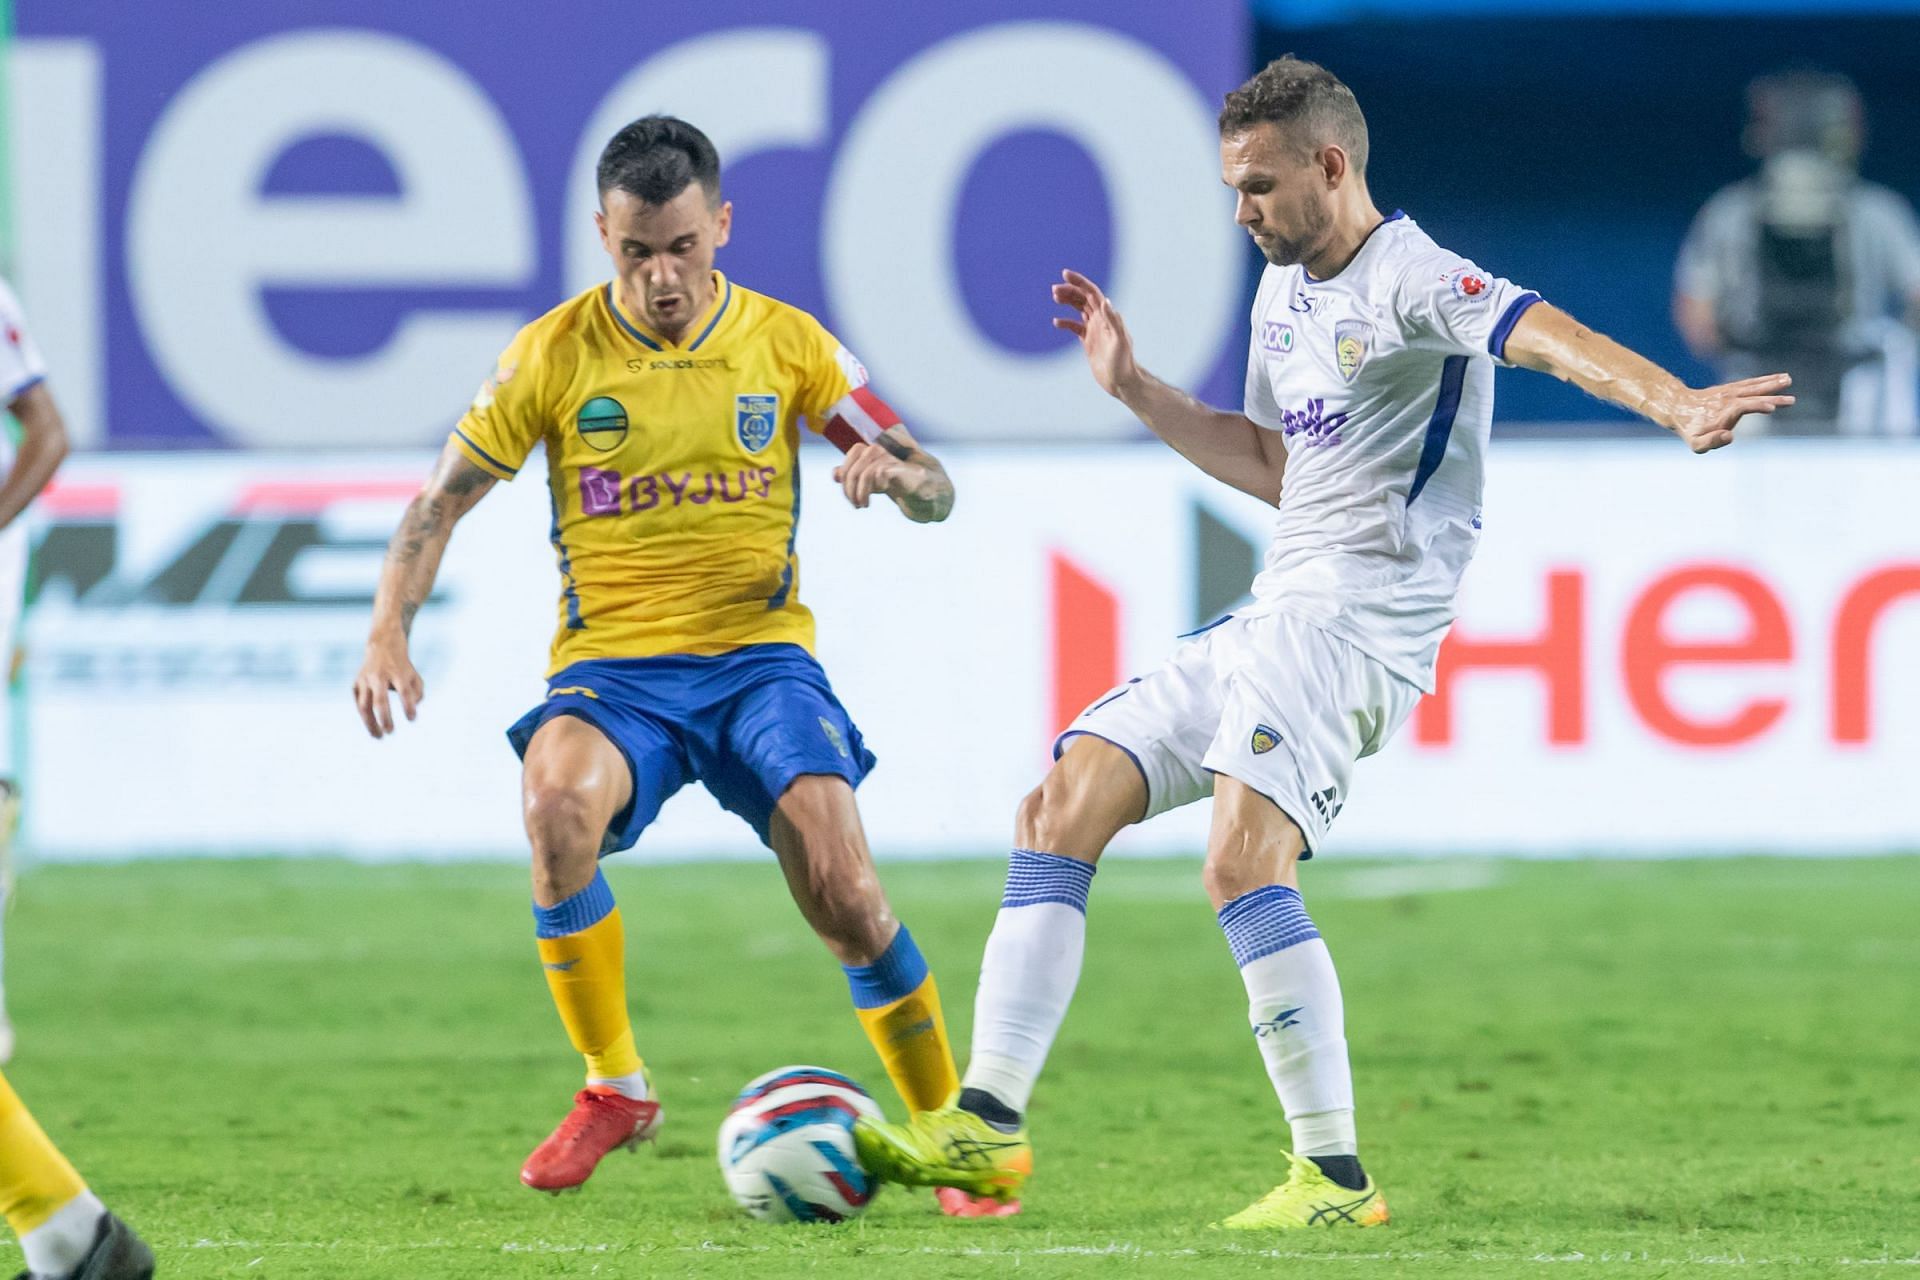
(64, 1230)
(670, 401)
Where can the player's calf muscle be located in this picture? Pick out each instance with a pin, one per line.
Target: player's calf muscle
(829, 870)
(1253, 843)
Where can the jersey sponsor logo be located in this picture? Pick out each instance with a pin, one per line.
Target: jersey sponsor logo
(579, 689)
(641, 365)
(1351, 341)
(1305, 303)
(1468, 285)
(602, 423)
(1265, 739)
(754, 419)
(1315, 427)
(1276, 337)
(609, 493)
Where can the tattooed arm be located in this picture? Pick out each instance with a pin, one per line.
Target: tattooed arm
(898, 467)
(406, 580)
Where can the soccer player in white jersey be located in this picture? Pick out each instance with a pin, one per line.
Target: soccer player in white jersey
(23, 474)
(1369, 398)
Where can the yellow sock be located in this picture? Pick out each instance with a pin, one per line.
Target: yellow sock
(35, 1179)
(583, 949)
(899, 1006)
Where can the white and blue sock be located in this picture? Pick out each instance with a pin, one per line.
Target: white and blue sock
(1027, 977)
(59, 1245)
(1299, 1022)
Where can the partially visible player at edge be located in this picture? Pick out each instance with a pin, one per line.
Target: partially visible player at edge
(43, 445)
(64, 1230)
(1369, 398)
(669, 400)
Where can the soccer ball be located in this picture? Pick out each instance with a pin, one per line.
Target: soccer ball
(786, 1147)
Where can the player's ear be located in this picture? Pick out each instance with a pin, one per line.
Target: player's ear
(1334, 166)
(723, 225)
(600, 225)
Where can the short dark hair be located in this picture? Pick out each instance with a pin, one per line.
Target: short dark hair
(656, 158)
(1304, 98)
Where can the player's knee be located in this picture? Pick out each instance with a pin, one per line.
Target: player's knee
(1073, 812)
(563, 817)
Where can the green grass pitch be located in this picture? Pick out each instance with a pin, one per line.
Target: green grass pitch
(284, 1069)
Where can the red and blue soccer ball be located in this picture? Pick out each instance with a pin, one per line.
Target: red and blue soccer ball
(786, 1147)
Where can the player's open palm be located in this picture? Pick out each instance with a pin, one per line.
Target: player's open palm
(1705, 419)
(387, 671)
(1097, 323)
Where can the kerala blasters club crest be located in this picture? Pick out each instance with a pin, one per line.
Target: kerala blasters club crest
(753, 420)
(1351, 339)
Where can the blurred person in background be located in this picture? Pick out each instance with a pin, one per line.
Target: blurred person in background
(43, 443)
(1807, 267)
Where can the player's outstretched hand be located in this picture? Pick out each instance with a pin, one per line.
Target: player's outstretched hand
(386, 671)
(871, 468)
(1102, 333)
(1705, 419)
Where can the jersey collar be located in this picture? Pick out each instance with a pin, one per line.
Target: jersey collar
(701, 329)
(1395, 216)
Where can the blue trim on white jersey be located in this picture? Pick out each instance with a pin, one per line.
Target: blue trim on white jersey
(1503, 328)
(1440, 426)
(1395, 216)
(32, 381)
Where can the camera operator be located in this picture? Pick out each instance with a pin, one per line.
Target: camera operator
(1808, 268)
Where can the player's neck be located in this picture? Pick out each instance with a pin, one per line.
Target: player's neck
(698, 305)
(1350, 231)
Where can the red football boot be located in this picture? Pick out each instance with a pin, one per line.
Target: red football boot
(599, 1122)
(956, 1203)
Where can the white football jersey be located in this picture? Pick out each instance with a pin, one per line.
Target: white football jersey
(20, 363)
(1381, 381)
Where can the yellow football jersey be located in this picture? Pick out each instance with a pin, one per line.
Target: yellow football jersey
(671, 465)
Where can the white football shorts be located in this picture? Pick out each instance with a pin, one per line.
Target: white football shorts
(1272, 701)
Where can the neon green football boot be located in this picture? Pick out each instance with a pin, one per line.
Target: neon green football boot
(947, 1147)
(1309, 1198)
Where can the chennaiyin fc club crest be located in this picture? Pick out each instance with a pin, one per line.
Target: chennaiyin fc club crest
(1351, 339)
(753, 420)
(1265, 739)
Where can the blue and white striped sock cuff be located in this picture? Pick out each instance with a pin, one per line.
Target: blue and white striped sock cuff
(1034, 878)
(1271, 918)
(571, 915)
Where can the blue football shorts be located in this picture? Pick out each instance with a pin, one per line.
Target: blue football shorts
(745, 724)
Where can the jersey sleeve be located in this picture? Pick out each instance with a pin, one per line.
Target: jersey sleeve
(1450, 303)
(835, 397)
(505, 420)
(21, 365)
